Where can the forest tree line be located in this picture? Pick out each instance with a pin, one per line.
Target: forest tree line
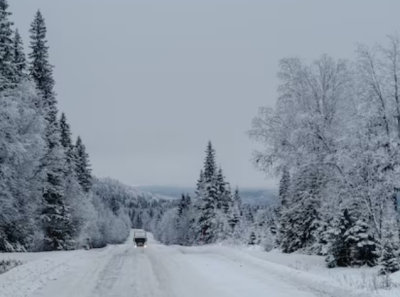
(215, 213)
(48, 198)
(334, 140)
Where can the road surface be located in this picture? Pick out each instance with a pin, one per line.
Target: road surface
(157, 271)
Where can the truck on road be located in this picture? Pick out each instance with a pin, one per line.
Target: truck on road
(140, 238)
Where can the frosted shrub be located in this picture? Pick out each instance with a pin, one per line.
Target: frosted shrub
(6, 265)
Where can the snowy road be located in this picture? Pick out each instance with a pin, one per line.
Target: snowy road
(158, 271)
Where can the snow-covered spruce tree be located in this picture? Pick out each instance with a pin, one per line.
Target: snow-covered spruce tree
(181, 209)
(83, 170)
(75, 197)
(56, 213)
(184, 220)
(339, 253)
(223, 230)
(284, 201)
(65, 139)
(195, 228)
(211, 209)
(66, 142)
(235, 216)
(238, 200)
(362, 240)
(183, 204)
(301, 218)
(284, 188)
(230, 211)
(39, 67)
(8, 72)
(390, 259)
(19, 56)
(210, 167)
(252, 238)
(205, 222)
(208, 199)
(223, 201)
(56, 217)
(390, 252)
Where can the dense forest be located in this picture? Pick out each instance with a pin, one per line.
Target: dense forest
(334, 140)
(214, 214)
(48, 198)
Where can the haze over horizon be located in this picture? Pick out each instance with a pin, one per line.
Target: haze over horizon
(147, 101)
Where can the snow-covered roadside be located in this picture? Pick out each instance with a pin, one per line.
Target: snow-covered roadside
(309, 271)
(31, 276)
(365, 278)
(38, 269)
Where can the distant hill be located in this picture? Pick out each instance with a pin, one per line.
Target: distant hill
(259, 196)
(126, 191)
(249, 195)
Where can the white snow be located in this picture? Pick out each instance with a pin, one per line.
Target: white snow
(174, 271)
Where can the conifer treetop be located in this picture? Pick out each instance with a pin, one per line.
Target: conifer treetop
(65, 131)
(7, 67)
(19, 55)
(40, 69)
(209, 163)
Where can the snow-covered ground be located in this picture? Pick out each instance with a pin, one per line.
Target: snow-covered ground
(173, 271)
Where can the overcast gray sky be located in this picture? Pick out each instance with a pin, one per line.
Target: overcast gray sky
(147, 83)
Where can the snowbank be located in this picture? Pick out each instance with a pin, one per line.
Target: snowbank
(308, 271)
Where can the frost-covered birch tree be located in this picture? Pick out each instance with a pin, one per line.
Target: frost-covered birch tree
(335, 131)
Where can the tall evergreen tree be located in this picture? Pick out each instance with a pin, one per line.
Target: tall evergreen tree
(237, 199)
(39, 67)
(74, 197)
(41, 73)
(209, 198)
(284, 196)
(19, 55)
(390, 249)
(301, 218)
(83, 170)
(184, 220)
(183, 204)
(65, 132)
(252, 239)
(55, 212)
(195, 228)
(7, 68)
(188, 201)
(339, 251)
(210, 167)
(284, 185)
(223, 198)
(234, 210)
(200, 183)
(363, 244)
